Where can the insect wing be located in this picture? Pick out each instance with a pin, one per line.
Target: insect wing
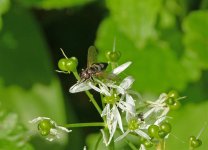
(92, 56)
(99, 66)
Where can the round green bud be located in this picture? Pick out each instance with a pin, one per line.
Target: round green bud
(71, 64)
(191, 138)
(170, 101)
(162, 134)
(173, 94)
(196, 143)
(142, 140)
(153, 131)
(166, 127)
(113, 56)
(62, 64)
(175, 106)
(44, 127)
(148, 144)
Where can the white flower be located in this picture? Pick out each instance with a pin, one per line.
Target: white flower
(158, 106)
(116, 101)
(124, 90)
(81, 86)
(135, 125)
(50, 129)
(142, 147)
(113, 118)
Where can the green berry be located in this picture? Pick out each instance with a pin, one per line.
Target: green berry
(71, 64)
(196, 143)
(148, 144)
(162, 134)
(113, 56)
(170, 101)
(166, 127)
(175, 106)
(142, 140)
(44, 127)
(153, 130)
(173, 94)
(191, 138)
(62, 64)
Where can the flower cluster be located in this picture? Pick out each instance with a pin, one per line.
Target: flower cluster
(119, 111)
(119, 99)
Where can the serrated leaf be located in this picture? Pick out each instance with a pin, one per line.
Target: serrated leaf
(53, 4)
(136, 19)
(188, 121)
(155, 67)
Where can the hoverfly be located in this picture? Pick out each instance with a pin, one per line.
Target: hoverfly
(93, 68)
(87, 75)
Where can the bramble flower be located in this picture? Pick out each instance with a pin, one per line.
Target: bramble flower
(135, 125)
(81, 86)
(49, 128)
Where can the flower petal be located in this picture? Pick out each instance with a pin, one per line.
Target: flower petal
(142, 134)
(39, 119)
(105, 110)
(149, 112)
(94, 87)
(105, 141)
(79, 87)
(118, 117)
(130, 100)
(127, 82)
(121, 68)
(63, 129)
(142, 147)
(122, 136)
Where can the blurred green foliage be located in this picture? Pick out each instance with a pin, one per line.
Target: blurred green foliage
(167, 41)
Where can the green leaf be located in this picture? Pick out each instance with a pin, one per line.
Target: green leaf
(53, 4)
(24, 59)
(196, 36)
(136, 19)
(155, 67)
(12, 133)
(188, 122)
(28, 85)
(4, 6)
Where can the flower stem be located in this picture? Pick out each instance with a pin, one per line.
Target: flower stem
(132, 146)
(111, 146)
(93, 124)
(161, 145)
(98, 141)
(89, 95)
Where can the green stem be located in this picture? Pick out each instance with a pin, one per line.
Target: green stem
(93, 124)
(111, 146)
(132, 146)
(113, 65)
(89, 95)
(98, 141)
(161, 145)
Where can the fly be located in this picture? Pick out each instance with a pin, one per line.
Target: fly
(93, 69)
